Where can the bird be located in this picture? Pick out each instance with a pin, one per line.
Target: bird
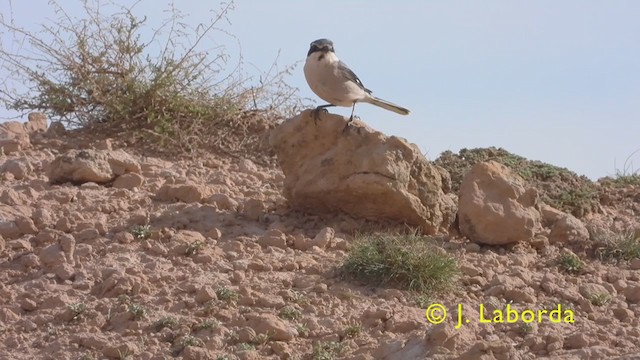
(334, 82)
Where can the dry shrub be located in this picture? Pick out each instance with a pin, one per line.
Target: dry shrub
(108, 73)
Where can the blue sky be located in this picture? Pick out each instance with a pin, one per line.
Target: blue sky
(557, 81)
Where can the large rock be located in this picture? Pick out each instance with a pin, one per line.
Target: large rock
(99, 166)
(14, 135)
(361, 172)
(495, 208)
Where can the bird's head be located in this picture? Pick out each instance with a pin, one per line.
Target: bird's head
(322, 45)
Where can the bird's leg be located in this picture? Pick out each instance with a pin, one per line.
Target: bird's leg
(353, 108)
(316, 112)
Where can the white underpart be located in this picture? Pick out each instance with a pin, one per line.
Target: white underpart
(325, 79)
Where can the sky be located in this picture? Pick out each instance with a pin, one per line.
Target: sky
(556, 81)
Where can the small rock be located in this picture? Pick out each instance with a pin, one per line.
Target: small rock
(274, 238)
(253, 209)
(469, 270)
(568, 230)
(472, 247)
(576, 341)
(52, 256)
(323, 238)
(19, 168)
(222, 202)
(64, 271)
(270, 324)
(188, 193)
(13, 137)
(246, 335)
(124, 237)
(590, 290)
(205, 294)
(37, 122)
(632, 293)
(28, 304)
(539, 242)
(214, 233)
(301, 242)
(99, 166)
(128, 181)
(104, 144)
(68, 245)
(9, 229)
(196, 353)
(634, 264)
(247, 166)
(86, 235)
(623, 315)
(26, 225)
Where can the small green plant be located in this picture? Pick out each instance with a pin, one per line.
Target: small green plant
(125, 355)
(298, 297)
(226, 357)
(627, 175)
(227, 294)
(194, 248)
(77, 309)
(51, 330)
(207, 324)
(290, 313)
(191, 341)
(232, 337)
(303, 330)
(138, 311)
(616, 247)
(526, 328)
(570, 263)
(262, 338)
(409, 261)
(165, 322)
(123, 299)
(353, 330)
(141, 232)
(626, 180)
(245, 347)
(327, 350)
(600, 299)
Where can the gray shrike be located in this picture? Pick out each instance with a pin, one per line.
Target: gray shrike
(335, 83)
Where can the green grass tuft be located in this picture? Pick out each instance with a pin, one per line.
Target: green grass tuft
(408, 261)
(327, 350)
(570, 263)
(623, 246)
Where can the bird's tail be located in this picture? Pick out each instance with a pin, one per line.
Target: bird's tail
(387, 105)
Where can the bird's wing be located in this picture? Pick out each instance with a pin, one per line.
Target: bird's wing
(349, 74)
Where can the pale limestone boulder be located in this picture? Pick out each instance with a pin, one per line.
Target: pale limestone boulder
(494, 206)
(361, 172)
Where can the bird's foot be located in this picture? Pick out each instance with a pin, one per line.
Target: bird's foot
(349, 123)
(315, 113)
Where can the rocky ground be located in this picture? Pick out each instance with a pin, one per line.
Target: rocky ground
(109, 254)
